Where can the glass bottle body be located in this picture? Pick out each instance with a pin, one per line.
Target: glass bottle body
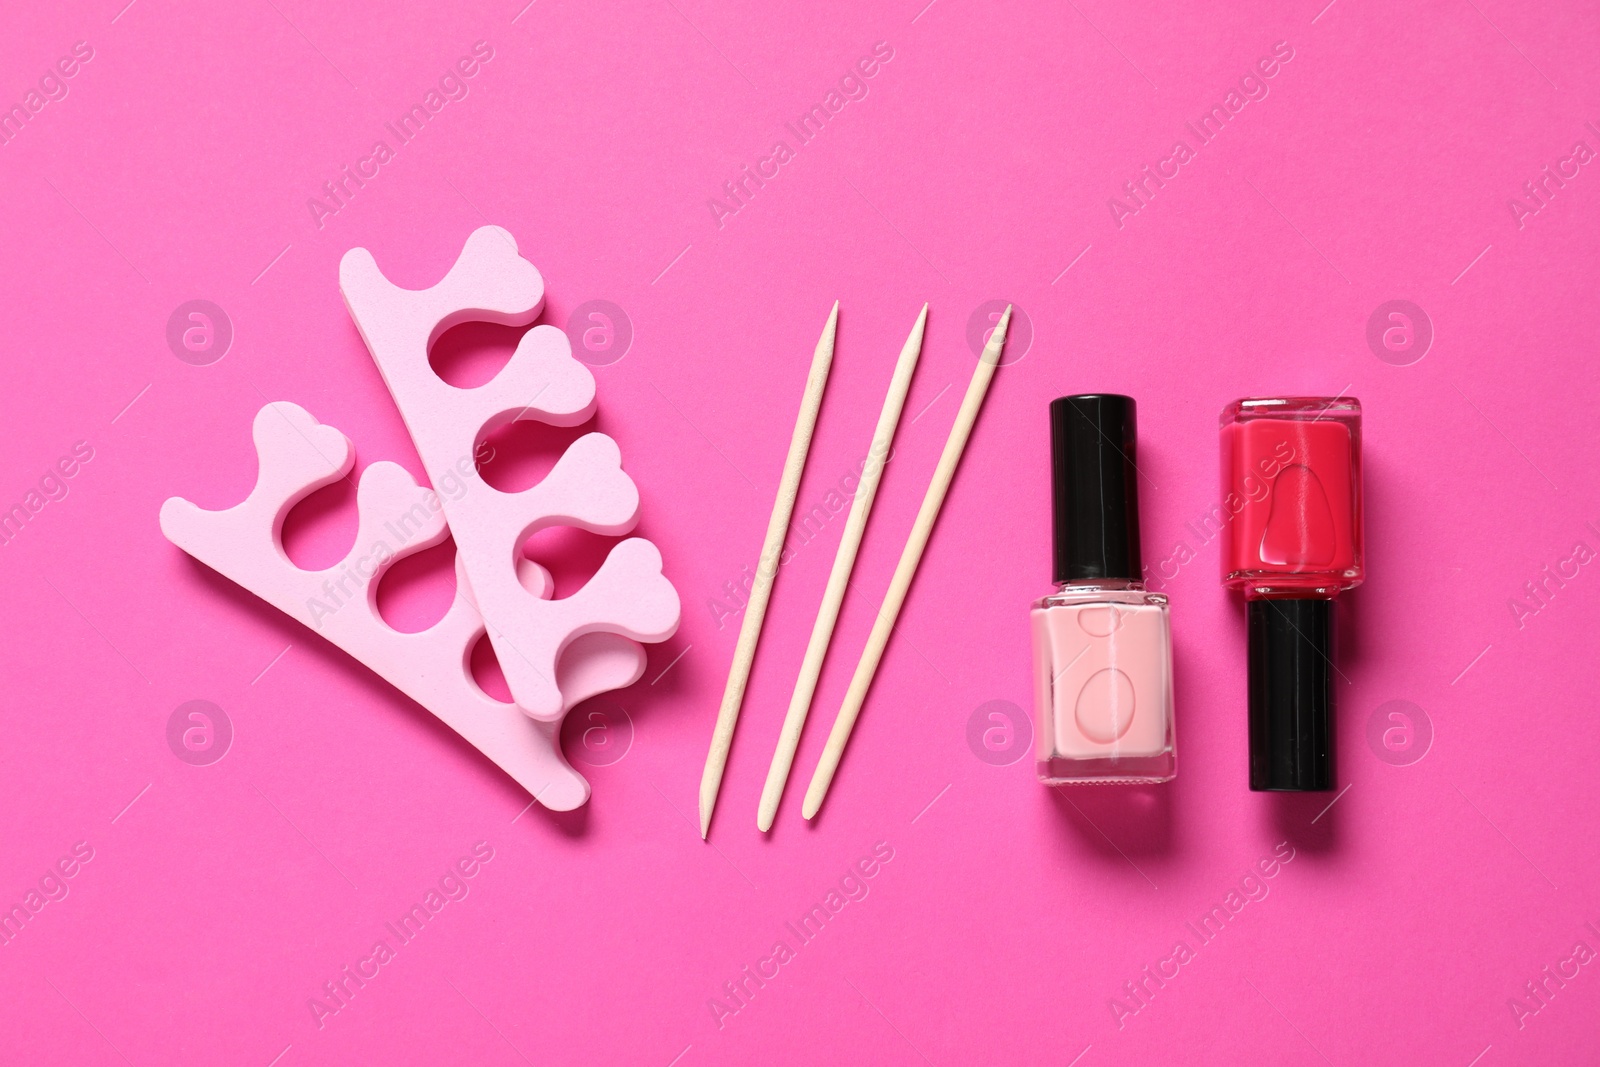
(1102, 654)
(1291, 475)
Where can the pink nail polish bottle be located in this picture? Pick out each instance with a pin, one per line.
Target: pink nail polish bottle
(1102, 644)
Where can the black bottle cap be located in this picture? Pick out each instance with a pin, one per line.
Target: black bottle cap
(1291, 695)
(1095, 487)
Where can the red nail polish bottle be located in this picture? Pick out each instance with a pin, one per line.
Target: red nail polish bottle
(1291, 470)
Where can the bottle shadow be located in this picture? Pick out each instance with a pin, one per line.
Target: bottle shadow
(1308, 821)
(1119, 821)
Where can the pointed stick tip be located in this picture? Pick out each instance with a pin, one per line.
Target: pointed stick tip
(997, 339)
(830, 329)
(919, 330)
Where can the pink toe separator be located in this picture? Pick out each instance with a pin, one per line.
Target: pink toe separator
(628, 597)
(554, 653)
(299, 455)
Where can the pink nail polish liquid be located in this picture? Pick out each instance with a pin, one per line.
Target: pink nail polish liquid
(1102, 644)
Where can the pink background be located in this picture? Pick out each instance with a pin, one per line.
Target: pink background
(978, 166)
